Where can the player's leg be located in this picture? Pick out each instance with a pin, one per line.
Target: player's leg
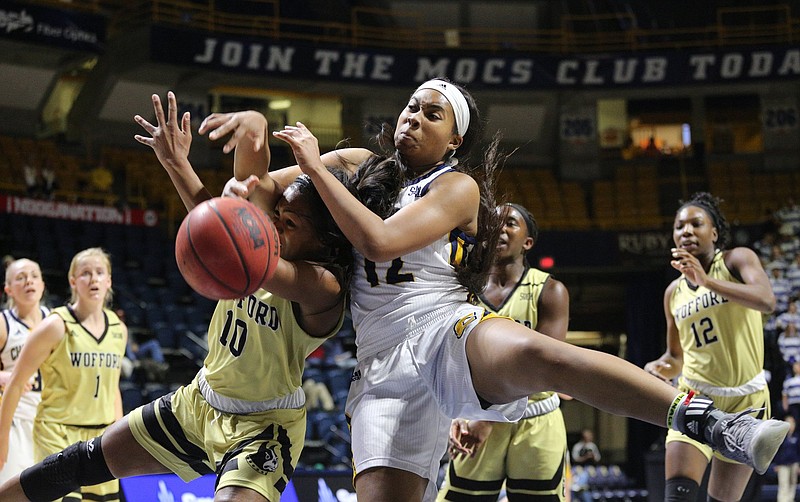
(509, 361)
(728, 480)
(685, 463)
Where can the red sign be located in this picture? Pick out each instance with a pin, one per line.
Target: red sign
(78, 212)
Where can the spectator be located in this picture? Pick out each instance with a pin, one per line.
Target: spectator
(781, 287)
(585, 451)
(49, 182)
(791, 392)
(146, 357)
(786, 463)
(763, 246)
(30, 172)
(789, 344)
(792, 274)
(789, 217)
(791, 316)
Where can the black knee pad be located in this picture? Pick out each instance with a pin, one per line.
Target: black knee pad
(681, 490)
(80, 464)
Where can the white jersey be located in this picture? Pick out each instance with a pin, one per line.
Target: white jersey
(391, 298)
(17, 336)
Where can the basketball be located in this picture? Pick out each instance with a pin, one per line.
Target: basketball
(226, 248)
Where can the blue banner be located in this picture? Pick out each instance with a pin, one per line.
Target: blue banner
(305, 486)
(509, 70)
(43, 25)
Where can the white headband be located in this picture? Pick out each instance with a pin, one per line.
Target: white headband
(456, 100)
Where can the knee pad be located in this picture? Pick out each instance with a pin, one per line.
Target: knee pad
(80, 464)
(681, 490)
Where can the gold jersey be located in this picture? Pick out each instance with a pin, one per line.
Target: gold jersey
(81, 375)
(722, 341)
(256, 348)
(522, 305)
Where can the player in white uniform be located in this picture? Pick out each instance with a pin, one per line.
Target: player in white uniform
(424, 229)
(24, 287)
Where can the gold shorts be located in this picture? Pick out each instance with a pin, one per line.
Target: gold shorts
(529, 455)
(258, 451)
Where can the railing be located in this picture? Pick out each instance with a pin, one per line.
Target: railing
(753, 25)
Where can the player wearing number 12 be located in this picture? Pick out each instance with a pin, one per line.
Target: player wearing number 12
(715, 341)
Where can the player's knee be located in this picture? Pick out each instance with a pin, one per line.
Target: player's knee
(80, 464)
(681, 490)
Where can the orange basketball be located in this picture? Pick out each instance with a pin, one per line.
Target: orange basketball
(226, 248)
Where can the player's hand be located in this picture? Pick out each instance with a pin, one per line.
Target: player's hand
(170, 141)
(304, 146)
(248, 125)
(241, 189)
(466, 438)
(5, 377)
(660, 369)
(688, 264)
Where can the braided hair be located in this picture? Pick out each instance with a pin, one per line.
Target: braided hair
(339, 254)
(710, 204)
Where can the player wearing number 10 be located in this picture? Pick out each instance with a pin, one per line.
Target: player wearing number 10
(715, 341)
(79, 349)
(243, 416)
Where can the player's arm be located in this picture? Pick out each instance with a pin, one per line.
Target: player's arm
(4, 375)
(41, 341)
(553, 309)
(248, 130)
(756, 291)
(451, 202)
(670, 364)
(118, 412)
(171, 142)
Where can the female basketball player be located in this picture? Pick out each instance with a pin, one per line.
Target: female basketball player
(78, 349)
(424, 230)
(715, 341)
(529, 456)
(24, 288)
(243, 416)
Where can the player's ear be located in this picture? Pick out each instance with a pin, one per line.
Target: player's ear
(528, 244)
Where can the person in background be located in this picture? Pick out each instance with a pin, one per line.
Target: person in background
(790, 397)
(78, 348)
(585, 451)
(715, 342)
(529, 455)
(24, 311)
(787, 462)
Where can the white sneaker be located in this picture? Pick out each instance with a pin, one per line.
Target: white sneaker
(748, 440)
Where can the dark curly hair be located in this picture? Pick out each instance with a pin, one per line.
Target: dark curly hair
(710, 204)
(339, 257)
(380, 178)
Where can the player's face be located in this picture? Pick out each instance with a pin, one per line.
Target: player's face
(24, 283)
(424, 133)
(694, 230)
(92, 279)
(514, 241)
(293, 220)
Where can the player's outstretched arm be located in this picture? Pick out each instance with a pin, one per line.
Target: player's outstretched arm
(171, 142)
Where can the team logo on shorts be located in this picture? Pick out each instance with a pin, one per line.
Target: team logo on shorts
(264, 460)
(461, 325)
